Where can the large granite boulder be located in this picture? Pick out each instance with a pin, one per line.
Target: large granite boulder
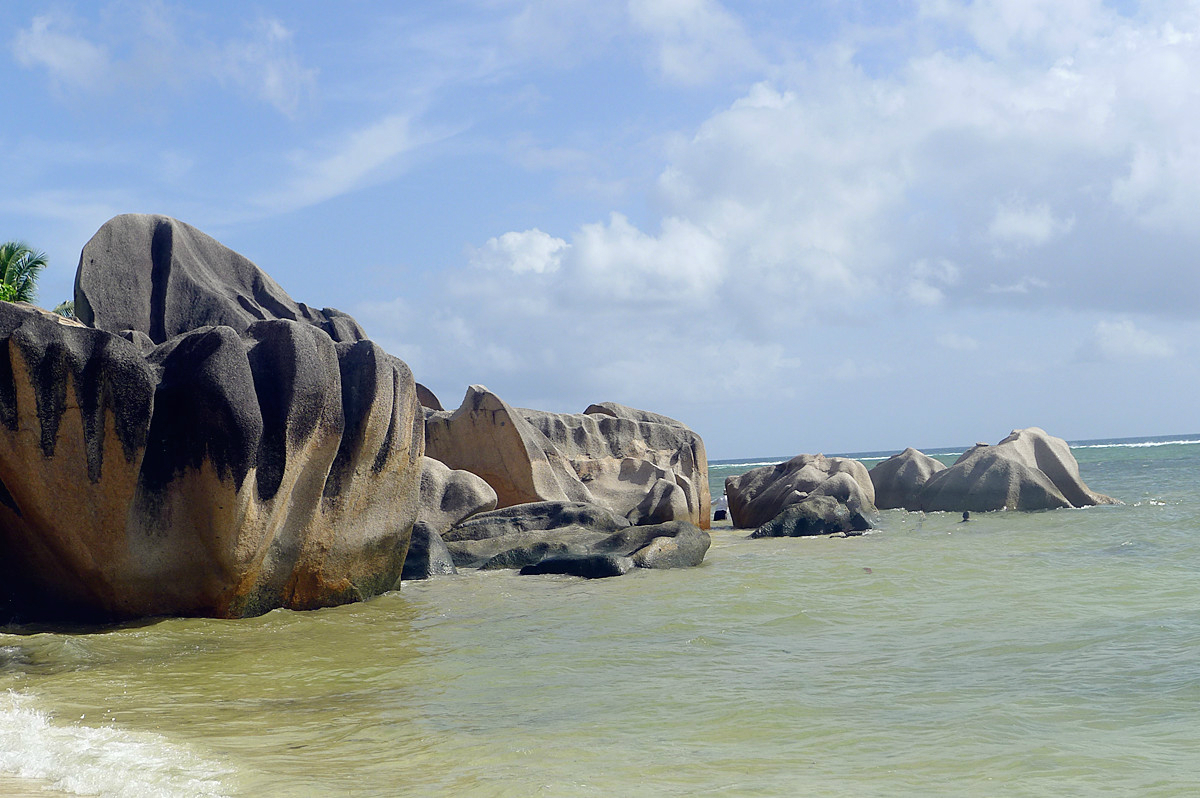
(760, 495)
(527, 534)
(1028, 470)
(215, 474)
(163, 277)
(900, 479)
(643, 466)
(447, 497)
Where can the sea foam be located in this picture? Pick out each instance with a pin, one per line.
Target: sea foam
(104, 761)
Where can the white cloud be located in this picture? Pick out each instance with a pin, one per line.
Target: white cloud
(1021, 225)
(361, 157)
(137, 46)
(268, 66)
(683, 263)
(70, 59)
(530, 251)
(1123, 341)
(697, 40)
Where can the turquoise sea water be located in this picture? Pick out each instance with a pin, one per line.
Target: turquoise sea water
(1036, 654)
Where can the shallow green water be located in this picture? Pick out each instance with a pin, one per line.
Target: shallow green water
(1020, 654)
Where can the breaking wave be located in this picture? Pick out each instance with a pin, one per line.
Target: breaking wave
(105, 761)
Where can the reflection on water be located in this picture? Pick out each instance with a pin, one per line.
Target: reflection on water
(1022, 654)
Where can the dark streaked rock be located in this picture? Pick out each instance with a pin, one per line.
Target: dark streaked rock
(589, 566)
(162, 277)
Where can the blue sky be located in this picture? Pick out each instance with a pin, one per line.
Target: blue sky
(799, 227)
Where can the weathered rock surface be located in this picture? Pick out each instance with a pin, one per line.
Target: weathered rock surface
(427, 398)
(900, 479)
(646, 467)
(163, 277)
(447, 497)
(760, 495)
(815, 515)
(1028, 470)
(527, 534)
(215, 474)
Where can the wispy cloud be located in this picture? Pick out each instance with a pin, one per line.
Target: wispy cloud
(267, 65)
(1123, 341)
(72, 61)
(363, 157)
(140, 45)
(695, 40)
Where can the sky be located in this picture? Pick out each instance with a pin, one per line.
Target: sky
(832, 226)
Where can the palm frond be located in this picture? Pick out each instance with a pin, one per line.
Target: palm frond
(20, 267)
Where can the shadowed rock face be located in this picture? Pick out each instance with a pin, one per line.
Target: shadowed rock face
(760, 495)
(646, 467)
(815, 515)
(216, 474)
(528, 534)
(163, 277)
(1028, 470)
(900, 479)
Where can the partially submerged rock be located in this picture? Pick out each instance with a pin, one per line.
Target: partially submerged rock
(215, 474)
(162, 277)
(900, 479)
(815, 515)
(1028, 470)
(527, 534)
(589, 566)
(760, 495)
(643, 466)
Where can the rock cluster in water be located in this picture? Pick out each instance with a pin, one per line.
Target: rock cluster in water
(818, 495)
(807, 495)
(201, 444)
(1028, 470)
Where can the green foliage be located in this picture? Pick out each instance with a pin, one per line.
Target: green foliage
(66, 308)
(20, 268)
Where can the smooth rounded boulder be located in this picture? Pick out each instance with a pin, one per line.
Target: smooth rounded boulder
(900, 479)
(1028, 470)
(446, 498)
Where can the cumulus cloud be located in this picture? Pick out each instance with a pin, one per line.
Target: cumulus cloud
(1123, 341)
(683, 263)
(530, 251)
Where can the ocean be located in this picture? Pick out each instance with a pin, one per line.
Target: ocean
(1052, 653)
